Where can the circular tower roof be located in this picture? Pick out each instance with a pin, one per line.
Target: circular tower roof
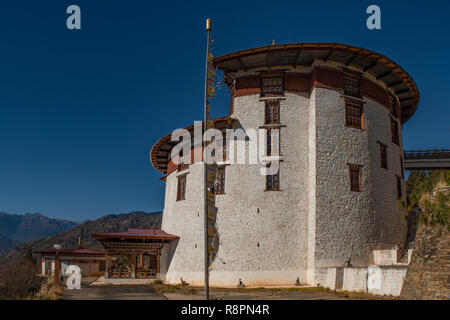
(380, 67)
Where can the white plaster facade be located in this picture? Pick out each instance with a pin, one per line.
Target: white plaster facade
(315, 221)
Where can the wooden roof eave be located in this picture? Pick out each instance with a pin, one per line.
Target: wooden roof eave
(155, 156)
(354, 52)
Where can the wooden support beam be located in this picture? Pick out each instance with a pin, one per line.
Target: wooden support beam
(393, 84)
(381, 76)
(328, 55)
(107, 264)
(401, 91)
(241, 64)
(296, 58)
(267, 59)
(370, 66)
(351, 60)
(406, 99)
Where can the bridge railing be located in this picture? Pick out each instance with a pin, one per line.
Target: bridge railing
(427, 154)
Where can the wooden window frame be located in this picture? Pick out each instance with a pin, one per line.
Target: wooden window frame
(353, 104)
(273, 180)
(219, 186)
(272, 105)
(224, 143)
(383, 156)
(270, 94)
(402, 168)
(269, 144)
(181, 189)
(352, 83)
(395, 135)
(399, 187)
(352, 168)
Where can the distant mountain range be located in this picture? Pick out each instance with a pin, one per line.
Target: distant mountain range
(16, 229)
(69, 238)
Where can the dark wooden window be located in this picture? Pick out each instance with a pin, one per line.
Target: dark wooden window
(224, 145)
(383, 156)
(352, 83)
(273, 181)
(355, 177)
(272, 112)
(401, 167)
(399, 187)
(219, 186)
(354, 113)
(101, 265)
(182, 166)
(394, 132)
(273, 141)
(181, 191)
(272, 85)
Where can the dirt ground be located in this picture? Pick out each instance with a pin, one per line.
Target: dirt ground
(110, 292)
(178, 292)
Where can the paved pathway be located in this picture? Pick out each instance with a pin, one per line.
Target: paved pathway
(252, 295)
(111, 292)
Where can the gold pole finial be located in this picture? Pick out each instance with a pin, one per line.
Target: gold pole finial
(208, 24)
(79, 241)
(273, 42)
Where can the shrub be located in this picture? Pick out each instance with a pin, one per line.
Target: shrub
(19, 279)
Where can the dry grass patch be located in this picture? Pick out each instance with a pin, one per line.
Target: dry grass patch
(50, 291)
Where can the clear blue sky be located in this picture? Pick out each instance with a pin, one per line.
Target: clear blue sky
(80, 110)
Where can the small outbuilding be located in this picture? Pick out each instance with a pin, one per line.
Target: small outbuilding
(91, 262)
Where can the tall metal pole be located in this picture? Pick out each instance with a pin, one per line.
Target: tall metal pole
(205, 169)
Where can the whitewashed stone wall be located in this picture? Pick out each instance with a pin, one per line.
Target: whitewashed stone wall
(276, 220)
(391, 280)
(351, 224)
(385, 257)
(184, 258)
(315, 221)
(391, 227)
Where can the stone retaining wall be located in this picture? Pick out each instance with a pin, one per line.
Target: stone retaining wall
(428, 274)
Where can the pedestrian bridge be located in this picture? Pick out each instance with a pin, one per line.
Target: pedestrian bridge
(437, 159)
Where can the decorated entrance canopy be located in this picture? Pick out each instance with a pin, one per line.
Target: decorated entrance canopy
(133, 254)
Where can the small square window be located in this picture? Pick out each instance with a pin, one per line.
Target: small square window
(272, 112)
(273, 181)
(352, 83)
(272, 86)
(401, 167)
(354, 113)
(399, 187)
(181, 190)
(383, 156)
(273, 141)
(355, 177)
(394, 132)
(219, 186)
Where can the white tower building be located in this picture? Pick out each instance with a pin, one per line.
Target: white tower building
(339, 110)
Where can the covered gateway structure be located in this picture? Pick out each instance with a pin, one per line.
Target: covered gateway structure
(133, 255)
